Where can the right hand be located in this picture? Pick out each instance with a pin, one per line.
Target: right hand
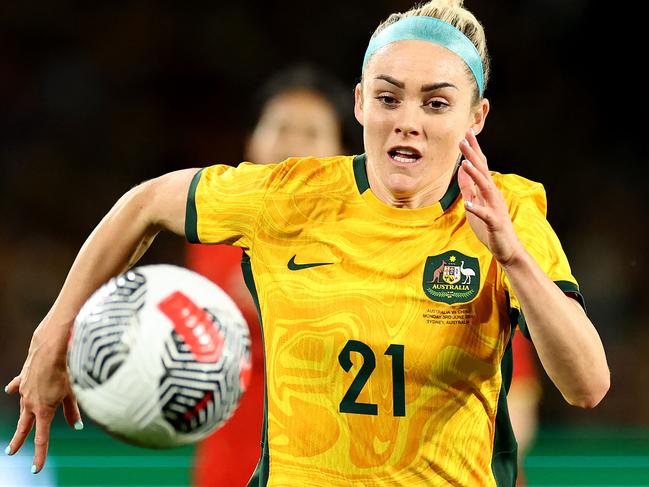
(43, 384)
(118, 241)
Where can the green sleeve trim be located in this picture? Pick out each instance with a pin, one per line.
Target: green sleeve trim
(567, 287)
(522, 324)
(572, 289)
(191, 216)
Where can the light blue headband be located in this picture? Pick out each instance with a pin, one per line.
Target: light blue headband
(424, 28)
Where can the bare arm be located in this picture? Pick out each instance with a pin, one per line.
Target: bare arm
(567, 343)
(565, 339)
(117, 243)
(122, 237)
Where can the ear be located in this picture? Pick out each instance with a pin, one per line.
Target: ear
(480, 116)
(358, 103)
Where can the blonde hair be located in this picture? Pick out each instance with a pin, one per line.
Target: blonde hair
(452, 12)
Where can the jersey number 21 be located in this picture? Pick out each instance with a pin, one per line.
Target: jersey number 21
(349, 404)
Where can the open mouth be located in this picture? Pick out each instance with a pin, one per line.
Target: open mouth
(405, 155)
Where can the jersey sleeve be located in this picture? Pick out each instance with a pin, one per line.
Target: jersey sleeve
(528, 208)
(224, 203)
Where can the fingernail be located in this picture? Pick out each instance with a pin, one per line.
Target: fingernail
(6, 389)
(469, 204)
(8, 450)
(465, 142)
(78, 425)
(34, 469)
(468, 163)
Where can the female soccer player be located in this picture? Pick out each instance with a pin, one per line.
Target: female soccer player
(388, 284)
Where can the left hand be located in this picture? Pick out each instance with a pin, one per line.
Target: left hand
(486, 209)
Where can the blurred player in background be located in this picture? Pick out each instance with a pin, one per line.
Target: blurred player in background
(300, 111)
(523, 399)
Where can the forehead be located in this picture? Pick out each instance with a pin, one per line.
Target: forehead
(300, 106)
(299, 98)
(417, 60)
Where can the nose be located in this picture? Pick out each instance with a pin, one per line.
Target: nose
(297, 143)
(406, 129)
(408, 123)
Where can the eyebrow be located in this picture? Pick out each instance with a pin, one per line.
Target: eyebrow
(424, 88)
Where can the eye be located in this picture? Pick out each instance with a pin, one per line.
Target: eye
(437, 104)
(387, 100)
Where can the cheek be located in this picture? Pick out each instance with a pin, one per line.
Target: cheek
(327, 144)
(328, 135)
(447, 132)
(263, 146)
(377, 122)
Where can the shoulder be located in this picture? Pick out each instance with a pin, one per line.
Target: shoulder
(252, 184)
(518, 190)
(296, 175)
(302, 173)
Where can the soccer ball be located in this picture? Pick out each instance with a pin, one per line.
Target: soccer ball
(159, 356)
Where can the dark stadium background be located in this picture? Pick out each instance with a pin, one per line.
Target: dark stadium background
(96, 97)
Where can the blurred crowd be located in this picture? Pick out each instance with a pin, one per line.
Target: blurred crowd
(97, 97)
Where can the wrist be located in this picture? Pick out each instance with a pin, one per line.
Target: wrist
(52, 337)
(518, 257)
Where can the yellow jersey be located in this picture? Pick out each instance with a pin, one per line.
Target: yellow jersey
(386, 331)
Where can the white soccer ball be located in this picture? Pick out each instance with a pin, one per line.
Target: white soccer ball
(159, 356)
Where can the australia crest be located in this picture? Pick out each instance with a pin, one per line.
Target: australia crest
(451, 277)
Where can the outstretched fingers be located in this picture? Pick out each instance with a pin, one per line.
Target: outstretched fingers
(473, 154)
(473, 192)
(480, 211)
(13, 386)
(42, 438)
(467, 186)
(71, 412)
(482, 182)
(42, 419)
(475, 146)
(23, 428)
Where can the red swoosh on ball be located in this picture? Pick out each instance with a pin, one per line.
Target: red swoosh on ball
(195, 325)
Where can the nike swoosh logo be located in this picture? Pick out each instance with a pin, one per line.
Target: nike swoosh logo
(298, 267)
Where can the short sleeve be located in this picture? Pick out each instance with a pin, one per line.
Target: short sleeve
(528, 207)
(224, 203)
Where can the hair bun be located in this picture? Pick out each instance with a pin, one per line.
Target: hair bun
(445, 3)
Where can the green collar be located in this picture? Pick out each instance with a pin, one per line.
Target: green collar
(363, 183)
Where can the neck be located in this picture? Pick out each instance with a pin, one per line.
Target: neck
(427, 195)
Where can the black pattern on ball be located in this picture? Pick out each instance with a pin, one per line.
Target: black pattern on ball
(198, 394)
(98, 349)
